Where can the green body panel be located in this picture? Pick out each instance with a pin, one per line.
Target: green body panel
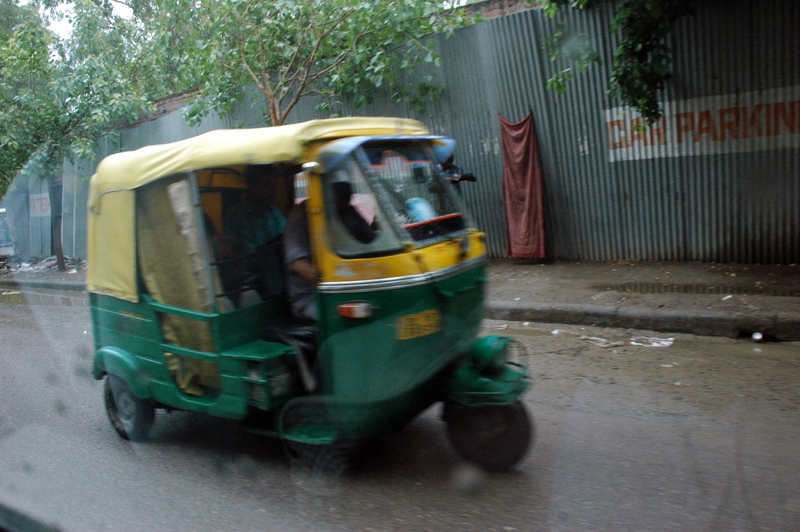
(252, 372)
(377, 381)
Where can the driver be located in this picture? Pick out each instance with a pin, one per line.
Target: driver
(363, 231)
(302, 274)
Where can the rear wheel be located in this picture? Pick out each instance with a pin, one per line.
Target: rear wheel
(130, 416)
(495, 437)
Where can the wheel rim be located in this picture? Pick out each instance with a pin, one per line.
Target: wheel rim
(492, 424)
(126, 406)
(487, 423)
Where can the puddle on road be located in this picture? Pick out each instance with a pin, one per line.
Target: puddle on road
(12, 298)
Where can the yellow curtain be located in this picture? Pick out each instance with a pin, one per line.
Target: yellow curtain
(175, 272)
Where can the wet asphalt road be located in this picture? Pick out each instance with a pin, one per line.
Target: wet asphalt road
(700, 435)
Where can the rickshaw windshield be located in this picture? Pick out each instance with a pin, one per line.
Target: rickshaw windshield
(409, 187)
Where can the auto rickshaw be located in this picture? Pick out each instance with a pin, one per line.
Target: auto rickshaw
(178, 326)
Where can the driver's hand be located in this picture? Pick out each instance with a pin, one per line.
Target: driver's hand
(305, 269)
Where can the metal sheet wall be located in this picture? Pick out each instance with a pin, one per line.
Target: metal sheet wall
(725, 200)
(695, 203)
(711, 203)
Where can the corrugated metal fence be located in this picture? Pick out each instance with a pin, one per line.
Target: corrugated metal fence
(717, 180)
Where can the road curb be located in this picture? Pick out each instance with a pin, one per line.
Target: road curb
(777, 326)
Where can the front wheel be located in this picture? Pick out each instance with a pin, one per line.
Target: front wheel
(332, 459)
(495, 436)
(130, 416)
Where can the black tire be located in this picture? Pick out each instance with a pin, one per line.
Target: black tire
(130, 416)
(494, 437)
(334, 459)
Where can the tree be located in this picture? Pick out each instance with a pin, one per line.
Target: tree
(58, 98)
(12, 14)
(642, 63)
(12, 156)
(291, 49)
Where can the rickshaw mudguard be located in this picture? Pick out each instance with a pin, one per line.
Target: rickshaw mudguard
(486, 377)
(503, 387)
(115, 361)
(307, 419)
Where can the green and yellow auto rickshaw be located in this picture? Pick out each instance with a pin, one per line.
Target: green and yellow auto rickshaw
(187, 318)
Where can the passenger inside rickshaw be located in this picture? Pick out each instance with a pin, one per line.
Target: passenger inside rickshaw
(249, 204)
(257, 225)
(185, 261)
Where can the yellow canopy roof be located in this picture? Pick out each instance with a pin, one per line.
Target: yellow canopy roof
(111, 231)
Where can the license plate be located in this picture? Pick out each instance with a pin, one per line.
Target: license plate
(419, 324)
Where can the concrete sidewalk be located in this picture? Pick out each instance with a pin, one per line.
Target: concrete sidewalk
(699, 298)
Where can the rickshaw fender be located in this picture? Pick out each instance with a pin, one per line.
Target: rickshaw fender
(490, 351)
(498, 386)
(115, 361)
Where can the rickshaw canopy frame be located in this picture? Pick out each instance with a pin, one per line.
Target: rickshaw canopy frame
(111, 243)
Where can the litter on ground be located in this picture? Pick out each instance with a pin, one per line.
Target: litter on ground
(644, 341)
(602, 342)
(652, 341)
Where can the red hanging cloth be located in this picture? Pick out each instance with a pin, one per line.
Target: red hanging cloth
(522, 189)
